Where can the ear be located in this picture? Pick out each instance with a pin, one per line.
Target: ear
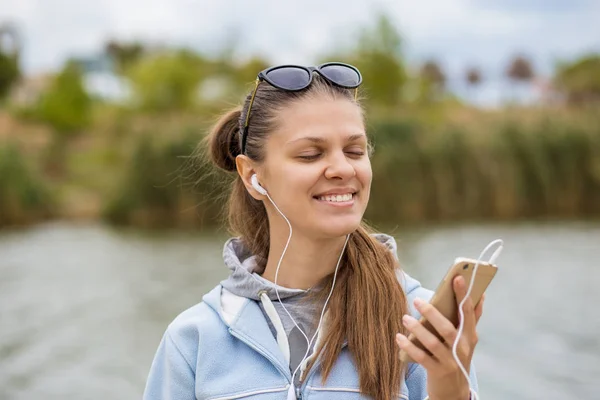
(246, 168)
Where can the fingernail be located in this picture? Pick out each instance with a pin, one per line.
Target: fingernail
(460, 281)
(419, 302)
(406, 319)
(400, 338)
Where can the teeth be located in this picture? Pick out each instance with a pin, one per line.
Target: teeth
(337, 198)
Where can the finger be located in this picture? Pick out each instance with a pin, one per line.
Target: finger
(460, 289)
(419, 356)
(427, 339)
(479, 309)
(442, 325)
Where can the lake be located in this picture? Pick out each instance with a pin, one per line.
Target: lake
(83, 307)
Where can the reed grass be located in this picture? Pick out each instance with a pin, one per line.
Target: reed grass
(24, 196)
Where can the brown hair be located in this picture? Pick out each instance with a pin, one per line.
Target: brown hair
(367, 305)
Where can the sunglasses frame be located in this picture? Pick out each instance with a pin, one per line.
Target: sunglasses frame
(263, 76)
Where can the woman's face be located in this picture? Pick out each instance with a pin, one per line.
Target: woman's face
(317, 168)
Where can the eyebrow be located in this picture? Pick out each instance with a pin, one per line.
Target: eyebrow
(317, 139)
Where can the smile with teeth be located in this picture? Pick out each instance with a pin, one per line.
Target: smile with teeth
(337, 198)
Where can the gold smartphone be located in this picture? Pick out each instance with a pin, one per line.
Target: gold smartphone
(445, 300)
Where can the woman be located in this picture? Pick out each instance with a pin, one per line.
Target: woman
(314, 304)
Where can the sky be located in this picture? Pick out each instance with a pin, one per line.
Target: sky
(457, 33)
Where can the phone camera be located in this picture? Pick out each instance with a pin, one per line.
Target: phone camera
(466, 266)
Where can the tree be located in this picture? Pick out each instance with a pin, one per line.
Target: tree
(579, 80)
(431, 82)
(377, 53)
(124, 54)
(168, 80)
(66, 106)
(380, 60)
(519, 72)
(432, 72)
(9, 73)
(473, 79)
(9, 58)
(473, 76)
(520, 69)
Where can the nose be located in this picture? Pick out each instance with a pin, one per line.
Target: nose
(339, 167)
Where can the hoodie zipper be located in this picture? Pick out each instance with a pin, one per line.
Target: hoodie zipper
(273, 361)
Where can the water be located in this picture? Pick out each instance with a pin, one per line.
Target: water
(83, 308)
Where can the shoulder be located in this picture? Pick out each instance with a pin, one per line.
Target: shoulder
(188, 328)
(413, 289)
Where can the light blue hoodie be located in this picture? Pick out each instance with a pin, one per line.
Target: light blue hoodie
(225, 346)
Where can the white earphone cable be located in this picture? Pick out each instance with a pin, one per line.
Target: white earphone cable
(308, 342)
(279, 265)
(461, 324)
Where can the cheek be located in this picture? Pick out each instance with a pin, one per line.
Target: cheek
(294, 181)
(364, 174)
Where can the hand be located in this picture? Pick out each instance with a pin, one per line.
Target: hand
(444, 377)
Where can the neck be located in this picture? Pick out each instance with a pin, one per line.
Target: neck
(306, 261)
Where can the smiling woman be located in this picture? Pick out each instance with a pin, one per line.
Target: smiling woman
(311, 156)
(315, 297)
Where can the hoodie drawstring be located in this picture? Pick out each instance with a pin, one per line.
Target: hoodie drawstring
(282, 340)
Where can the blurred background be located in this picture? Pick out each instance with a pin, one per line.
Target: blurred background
(485, 117)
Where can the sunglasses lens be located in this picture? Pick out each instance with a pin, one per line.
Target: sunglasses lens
(341, 75)
(289, 78)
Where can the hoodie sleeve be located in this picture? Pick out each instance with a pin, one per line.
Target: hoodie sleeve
(416, 376)
(171, 375)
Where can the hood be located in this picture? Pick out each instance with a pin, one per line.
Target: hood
(245, 281)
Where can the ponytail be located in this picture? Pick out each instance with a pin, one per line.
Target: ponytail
(224, 142)
(366, 309)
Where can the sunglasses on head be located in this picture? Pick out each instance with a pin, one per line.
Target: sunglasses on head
(293, 78)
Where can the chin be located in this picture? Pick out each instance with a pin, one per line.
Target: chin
(341, 227)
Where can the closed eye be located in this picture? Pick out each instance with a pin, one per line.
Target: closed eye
(357, 153)
(310, 157)
(354, 154)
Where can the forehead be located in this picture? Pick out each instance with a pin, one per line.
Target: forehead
(329, 119)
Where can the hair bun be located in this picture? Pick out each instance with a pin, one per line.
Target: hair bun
(224, 141)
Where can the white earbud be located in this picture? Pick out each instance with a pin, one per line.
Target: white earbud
(256, 185)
